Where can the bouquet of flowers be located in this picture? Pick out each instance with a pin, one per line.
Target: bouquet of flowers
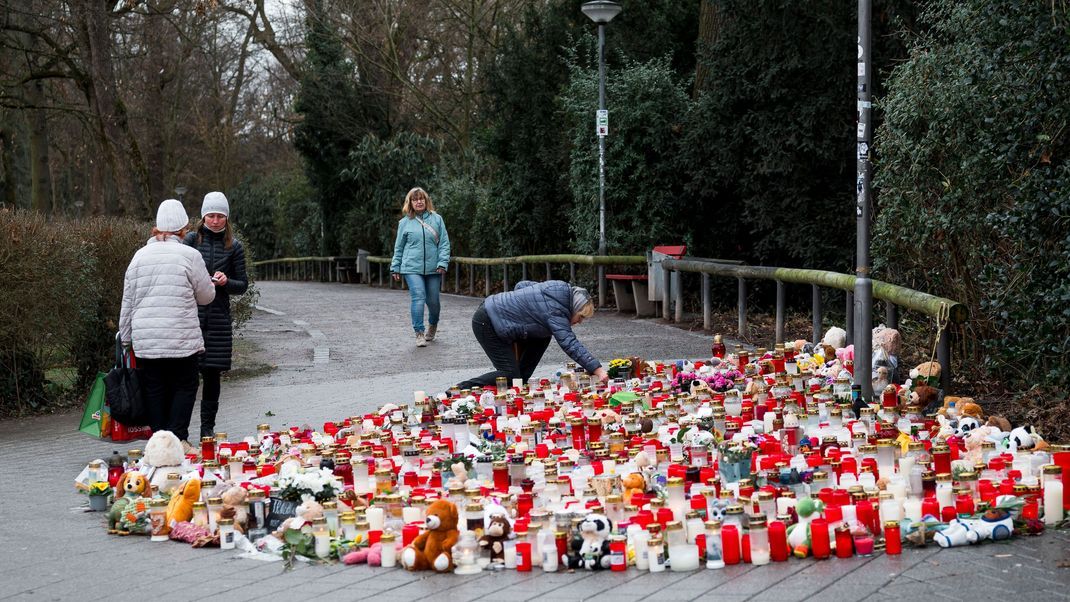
(720, 380)
(735, 457)
(318, 483)
(464, 407)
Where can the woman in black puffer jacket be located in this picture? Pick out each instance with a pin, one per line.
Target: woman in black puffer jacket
(225, 259)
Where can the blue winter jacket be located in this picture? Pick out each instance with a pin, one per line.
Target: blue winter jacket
(415, 250)
(539, 310)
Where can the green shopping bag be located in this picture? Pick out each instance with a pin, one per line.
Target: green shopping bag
(93, 414)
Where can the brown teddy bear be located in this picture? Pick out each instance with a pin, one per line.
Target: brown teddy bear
(927, 373)
(433, 549)
(923, 396)
(632, 484)
(494, 537)
(235, 508)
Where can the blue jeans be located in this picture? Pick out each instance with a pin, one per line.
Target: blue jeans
(424, 290)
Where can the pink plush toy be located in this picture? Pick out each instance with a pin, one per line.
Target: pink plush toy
(373, 555)
(846, 353)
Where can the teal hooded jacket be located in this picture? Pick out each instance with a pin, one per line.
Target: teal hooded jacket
(416, 251)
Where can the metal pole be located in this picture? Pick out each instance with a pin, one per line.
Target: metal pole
(891, 315)
(678, 294)
(666, 294)
(943, 355)
(505, 278)
(863, 302)
(601, 165)
(816, 293)
(707, 310)
(741, 308)
(601, 142)
(781, 297)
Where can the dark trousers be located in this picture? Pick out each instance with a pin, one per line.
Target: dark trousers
(170, 389)
(209, 399)
(511, 359)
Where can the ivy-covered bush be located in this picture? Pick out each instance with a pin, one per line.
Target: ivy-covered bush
(644, 203)
(973, 179)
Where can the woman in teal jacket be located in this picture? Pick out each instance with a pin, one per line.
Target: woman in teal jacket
(421, 255)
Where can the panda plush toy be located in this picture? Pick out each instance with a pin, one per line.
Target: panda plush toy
(589, 548)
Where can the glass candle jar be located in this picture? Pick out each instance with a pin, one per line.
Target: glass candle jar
(158, 520)
(226, 534)
(714, 558)
(389, 550)
(759, 540)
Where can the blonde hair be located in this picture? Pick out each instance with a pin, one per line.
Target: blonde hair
(415, 194)
(587, 310)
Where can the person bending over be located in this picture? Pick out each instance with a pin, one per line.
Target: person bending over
(514, 329)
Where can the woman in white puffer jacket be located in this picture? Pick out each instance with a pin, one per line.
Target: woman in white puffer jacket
(164, 283)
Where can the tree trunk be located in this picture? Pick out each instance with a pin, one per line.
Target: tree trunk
(7, 161)
(40, 170)
(126, 166)
(710, 23)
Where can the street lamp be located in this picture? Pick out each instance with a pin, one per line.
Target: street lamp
(601, 12)
(180, 191)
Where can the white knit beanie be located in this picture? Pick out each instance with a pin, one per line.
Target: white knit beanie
(171, 216)
(215, 202)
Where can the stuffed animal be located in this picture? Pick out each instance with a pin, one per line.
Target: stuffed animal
(1027, 438)
(163, 454)
(887, 339)
(926, 373)
(433, 549)
(131, 485)
(135, 517)
(835, 337)
(799, 534)
(498, 531)
(1000, 423)
(590, 550)
(923, 396)
(180, 508)
(235, 506)
(307, 512)
(460, 475)
(632, 483)
(372, 554)
(995, 524)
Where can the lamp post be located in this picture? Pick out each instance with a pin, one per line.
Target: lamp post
(601, 12)
(863, 297)
(180, 191)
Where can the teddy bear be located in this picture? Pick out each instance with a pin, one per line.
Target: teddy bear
(433, 549)
(235, 507)
(590, 548)
(632, 484)
(926, 373)
(163, 455)
(498, 531)
(180, 508)
(307, 512)
(835, 337)
(132, 485)
(922, 396)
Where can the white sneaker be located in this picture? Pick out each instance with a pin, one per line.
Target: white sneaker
(420, 340)
(430, 334)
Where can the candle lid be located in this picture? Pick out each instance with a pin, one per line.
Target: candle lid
(1053, 469)
(891, 524)
(387, 538)
(225, 522)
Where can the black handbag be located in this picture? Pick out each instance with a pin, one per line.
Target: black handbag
(126, 402)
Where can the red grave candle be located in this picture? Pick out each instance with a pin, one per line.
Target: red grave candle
(778, 541)
(844, 547)
(819, 538)
(730, 544)
(893, 542)
(523, 556)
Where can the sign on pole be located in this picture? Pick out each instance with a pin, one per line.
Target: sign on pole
(602, 122)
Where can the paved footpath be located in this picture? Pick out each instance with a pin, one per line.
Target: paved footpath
(341, 350)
